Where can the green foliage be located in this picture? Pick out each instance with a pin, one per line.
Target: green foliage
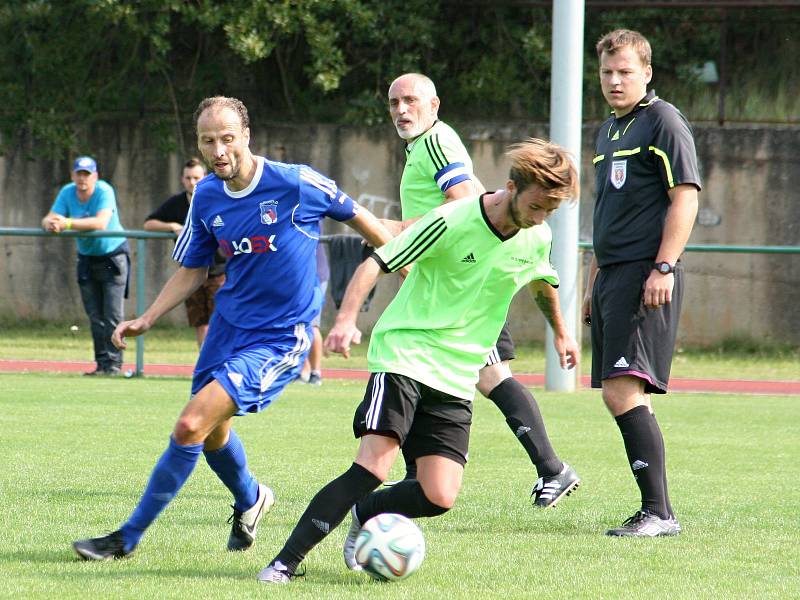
(69, 65)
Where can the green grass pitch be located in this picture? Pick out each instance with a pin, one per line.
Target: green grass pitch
(76, 454)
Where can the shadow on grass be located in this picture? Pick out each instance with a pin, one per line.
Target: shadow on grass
(128, 568)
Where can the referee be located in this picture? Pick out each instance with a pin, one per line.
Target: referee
(647, 181)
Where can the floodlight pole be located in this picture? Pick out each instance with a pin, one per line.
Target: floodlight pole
(566, 116)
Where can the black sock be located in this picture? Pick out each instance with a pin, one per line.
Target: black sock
(411, 466)
(663, 451)
(325, 512)
(404, 497)
(644, 445)
(523, 417)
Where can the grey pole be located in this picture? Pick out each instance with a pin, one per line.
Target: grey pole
(141, 266)
(566, 116)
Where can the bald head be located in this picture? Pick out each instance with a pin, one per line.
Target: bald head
(422, 83)
(413, 105)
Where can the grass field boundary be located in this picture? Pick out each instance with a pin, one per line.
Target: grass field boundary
(677, 384)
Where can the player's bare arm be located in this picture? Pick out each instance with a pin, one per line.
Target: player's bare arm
(344, 331)
(158, 225)
(681, 214)
(370, 227)
(546, 298)
(586, 310)
(465, 189)
(179, 287)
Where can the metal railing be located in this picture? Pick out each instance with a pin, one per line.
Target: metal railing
(141, 258)
(720, 248)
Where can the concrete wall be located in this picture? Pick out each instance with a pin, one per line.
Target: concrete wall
(751, 176)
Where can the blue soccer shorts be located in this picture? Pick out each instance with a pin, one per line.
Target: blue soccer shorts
(253, 365)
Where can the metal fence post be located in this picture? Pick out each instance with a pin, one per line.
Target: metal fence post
(141, 261)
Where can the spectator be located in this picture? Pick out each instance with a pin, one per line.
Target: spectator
(171, 216)
(89, 204)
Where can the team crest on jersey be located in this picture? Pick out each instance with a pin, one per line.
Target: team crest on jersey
(269, 211)
(619, 173)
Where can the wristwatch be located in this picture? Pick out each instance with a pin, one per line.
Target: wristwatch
(664, 268)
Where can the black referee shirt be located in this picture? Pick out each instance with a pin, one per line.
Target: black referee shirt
(638, 158)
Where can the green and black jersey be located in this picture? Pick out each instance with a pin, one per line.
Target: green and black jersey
(435, 161)
(448, 313)
(638, 158)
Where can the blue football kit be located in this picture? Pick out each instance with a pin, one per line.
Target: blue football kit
(269, 231)
(257, 338)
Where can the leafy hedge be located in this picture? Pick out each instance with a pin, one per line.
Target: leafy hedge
(68, 64)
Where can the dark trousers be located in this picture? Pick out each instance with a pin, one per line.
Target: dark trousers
(102, 282)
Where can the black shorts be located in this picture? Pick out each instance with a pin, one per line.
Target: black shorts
(426, 421)
(627, 337)
(503, 349)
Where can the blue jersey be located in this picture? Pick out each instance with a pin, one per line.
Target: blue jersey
(67, 204)
(269, 231)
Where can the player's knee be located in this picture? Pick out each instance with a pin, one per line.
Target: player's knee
(188, 430)
(484, 388)
(375, 467)
(490, 376)
(618, 404)
(610, 400)
(440, 498)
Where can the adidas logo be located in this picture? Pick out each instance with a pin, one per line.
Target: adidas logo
(322, 526)
(621, 363)
(236, 378)
(217, 222)
(469, 258)
(639, 464)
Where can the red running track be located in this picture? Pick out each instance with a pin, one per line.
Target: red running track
(677, 384)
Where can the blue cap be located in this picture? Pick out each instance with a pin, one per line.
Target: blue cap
(84, 163)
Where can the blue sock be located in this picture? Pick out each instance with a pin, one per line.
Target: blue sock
(230, 465)
(168, 476)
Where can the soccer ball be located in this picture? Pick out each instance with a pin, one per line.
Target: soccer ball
(390, 547)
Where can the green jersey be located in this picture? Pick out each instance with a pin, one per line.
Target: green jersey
(445, 319)
(435, 161)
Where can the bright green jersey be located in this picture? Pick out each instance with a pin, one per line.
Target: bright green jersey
(435, 161)
(448, 313)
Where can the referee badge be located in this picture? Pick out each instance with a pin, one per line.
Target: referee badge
(269, 211)
(619, 172)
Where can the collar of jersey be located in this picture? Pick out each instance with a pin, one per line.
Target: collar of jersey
(253, 182)
(492, 228)
(649, 99)
(410, 145)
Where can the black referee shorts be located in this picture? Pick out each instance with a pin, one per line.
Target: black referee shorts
(503, 349)
(627, 337)
(426, 421)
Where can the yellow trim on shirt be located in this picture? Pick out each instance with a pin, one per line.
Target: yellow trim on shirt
(627, 152)
(667, 166)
